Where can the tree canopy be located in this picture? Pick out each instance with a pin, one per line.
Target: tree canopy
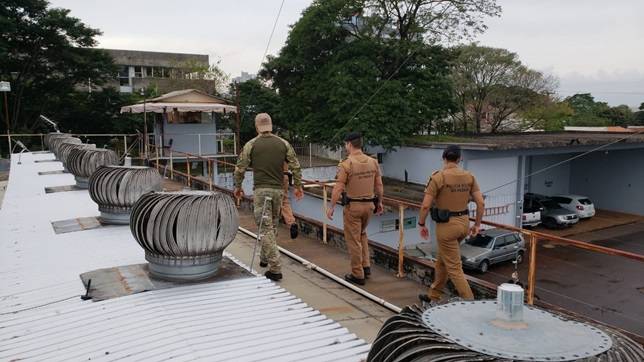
(46, 54)
(354, 66)
(492, 87)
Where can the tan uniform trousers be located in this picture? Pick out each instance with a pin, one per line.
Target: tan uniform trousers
(448, 259)
(356, 217)
(287, 211)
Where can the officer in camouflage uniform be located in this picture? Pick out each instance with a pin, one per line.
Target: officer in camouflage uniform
(266, 154)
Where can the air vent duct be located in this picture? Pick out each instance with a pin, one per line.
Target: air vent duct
(184, 233)
(116, 188)
(83, 162)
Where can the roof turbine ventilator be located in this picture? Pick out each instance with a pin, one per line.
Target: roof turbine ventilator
(501, 330)
(49, 137)
(55, 144)
(116, 188)
(83, 162)
(65, 148)
(184, 233)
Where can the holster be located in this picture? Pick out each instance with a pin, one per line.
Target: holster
(376, 202)
(344, 199)
(439, 215)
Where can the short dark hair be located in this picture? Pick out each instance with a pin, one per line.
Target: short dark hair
(452, 153)
(355, 138)
(357, 142)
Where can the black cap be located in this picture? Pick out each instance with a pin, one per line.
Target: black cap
(352, 136)
(452, 153)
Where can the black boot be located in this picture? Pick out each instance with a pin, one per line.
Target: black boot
(294, 231)
(354, 280)
(263, 264)
(367, 272)
(273, 276)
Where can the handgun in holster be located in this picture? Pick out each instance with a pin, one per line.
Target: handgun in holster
(344, 199)
(439, 215)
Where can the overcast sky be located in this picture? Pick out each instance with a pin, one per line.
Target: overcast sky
(590, 45)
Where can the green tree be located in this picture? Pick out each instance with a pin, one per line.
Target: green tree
(343, 68)
(46, 54)
(638, 117)
(548, 115)
(492, 86)
(255, 97)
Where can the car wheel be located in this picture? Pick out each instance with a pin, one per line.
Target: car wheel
(520, 257)
(550, 223)
(484, 266)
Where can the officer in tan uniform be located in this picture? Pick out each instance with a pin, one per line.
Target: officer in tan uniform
(447, 195)
(359, 184)
(287, 210)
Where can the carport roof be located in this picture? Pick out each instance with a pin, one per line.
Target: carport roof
(515, 141)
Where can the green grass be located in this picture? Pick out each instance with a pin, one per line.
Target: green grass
(426, 139)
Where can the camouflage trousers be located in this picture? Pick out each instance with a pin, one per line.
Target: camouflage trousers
(269, 252)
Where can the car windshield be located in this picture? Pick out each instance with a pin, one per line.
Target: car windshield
(481, 241)
(550, 204)
(585, 201)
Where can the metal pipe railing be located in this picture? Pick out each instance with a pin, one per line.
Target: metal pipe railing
(533, 237)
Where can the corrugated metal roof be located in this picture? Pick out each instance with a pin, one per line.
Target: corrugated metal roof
(43, 318)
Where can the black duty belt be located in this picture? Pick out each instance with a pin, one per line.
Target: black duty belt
(459, 213)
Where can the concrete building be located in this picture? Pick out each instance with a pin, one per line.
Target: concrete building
(245, 76)
(165, 71)
(507, 166)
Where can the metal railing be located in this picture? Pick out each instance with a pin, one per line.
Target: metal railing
(533, 237)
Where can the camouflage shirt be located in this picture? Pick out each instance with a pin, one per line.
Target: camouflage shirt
(266, 154)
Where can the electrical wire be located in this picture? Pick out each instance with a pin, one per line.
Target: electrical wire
(251, 98)
(40, 306)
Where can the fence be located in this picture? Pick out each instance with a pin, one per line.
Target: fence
(532, 237)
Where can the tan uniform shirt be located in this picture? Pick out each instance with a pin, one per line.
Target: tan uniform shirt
(452, 188)
(361, 176)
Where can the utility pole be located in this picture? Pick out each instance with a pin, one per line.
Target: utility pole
(237, 118)
(145, 126)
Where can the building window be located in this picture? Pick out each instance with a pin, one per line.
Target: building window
(138, 71)
(124, 76)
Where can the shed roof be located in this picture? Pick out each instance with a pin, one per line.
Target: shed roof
(531, 140)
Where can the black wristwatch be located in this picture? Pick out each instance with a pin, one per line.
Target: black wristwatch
(421, 225)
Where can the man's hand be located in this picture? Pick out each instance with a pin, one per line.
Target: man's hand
(238, 193)
(474, 230)
(329, 213)
(299, 193)
(424, 232)
(381, 209)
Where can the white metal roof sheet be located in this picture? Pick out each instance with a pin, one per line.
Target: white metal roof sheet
(43, 318)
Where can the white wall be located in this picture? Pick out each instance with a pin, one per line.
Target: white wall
(492, 173)
(185, 139)
(613, 180)
(419, 163)
(552, 182)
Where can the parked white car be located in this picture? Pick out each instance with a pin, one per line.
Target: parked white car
(531, 214)
(579, 204)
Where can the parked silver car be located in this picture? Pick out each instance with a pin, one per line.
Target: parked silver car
(490, 247)
(553, 216)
